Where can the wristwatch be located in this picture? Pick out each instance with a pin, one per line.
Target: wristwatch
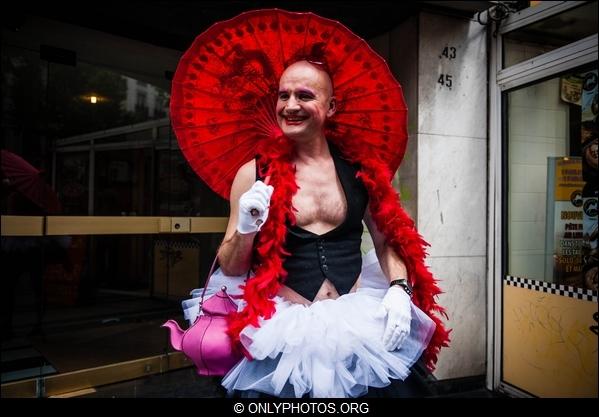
(404, 284)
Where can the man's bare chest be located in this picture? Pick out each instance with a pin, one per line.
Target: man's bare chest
(320, 198)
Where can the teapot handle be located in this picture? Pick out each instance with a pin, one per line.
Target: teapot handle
(208, 280)
(224, 288)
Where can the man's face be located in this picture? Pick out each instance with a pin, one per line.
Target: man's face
(305, 101)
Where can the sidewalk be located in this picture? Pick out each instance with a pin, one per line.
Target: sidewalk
(185, 383)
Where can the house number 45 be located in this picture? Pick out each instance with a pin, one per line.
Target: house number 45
(445, 80)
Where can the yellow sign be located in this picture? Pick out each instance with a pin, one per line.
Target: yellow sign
(568, 179)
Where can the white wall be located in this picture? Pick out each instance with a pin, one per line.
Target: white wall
(452, 181)
(444, 173)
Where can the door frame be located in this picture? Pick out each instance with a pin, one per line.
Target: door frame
(501, 80)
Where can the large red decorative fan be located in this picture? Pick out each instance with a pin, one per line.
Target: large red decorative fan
(225, 89)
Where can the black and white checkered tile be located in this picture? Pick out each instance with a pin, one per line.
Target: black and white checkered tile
(551, 288)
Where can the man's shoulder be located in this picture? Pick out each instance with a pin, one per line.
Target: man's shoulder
(247, 171)
(245, 177)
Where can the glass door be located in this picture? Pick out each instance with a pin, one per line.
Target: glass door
(108, 233)
(543, 167)
(550, 284)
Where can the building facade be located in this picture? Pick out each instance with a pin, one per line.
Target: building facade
(500, 176)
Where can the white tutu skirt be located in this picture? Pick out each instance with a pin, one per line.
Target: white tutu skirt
(331, 348)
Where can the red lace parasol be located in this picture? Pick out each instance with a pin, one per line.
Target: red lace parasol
(27, 180)
(225, 89)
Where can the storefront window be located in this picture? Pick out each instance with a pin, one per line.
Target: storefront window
(72, 181)
(552, 184)
(549, 34)
(104, 145)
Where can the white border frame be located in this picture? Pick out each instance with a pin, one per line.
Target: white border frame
(501, 80)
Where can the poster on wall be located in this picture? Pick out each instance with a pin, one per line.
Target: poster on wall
(590, 247)
(571, 88)
(588, 126)
(588, 101)
(564, 234)
(589, 139)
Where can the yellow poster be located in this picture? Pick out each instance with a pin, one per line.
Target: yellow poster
(571, 88)
(565, 220)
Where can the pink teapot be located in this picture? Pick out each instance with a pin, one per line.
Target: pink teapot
(206, 342)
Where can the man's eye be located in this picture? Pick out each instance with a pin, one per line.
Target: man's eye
(306, 97)
(283, 96)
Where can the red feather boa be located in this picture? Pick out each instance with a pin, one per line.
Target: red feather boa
(387, 213)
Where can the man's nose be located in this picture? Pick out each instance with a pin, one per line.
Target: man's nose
(292, 105)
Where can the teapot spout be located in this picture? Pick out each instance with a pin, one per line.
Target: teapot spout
(176, 333)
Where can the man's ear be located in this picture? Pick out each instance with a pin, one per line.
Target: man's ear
(332, 107)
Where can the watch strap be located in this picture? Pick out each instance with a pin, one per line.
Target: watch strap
(404, 284)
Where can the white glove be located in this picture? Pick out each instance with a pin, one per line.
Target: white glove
(396, 306)
(253, 208)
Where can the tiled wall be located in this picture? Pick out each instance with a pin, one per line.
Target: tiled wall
(537, 129)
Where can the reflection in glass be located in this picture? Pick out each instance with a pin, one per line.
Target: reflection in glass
(76, 302)
(552, 183)
(117, 100)
(549, 34)
(72, 182)
(123, 182)
(85, 301)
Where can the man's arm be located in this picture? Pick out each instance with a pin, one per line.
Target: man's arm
(395, 305)
(392, 265)
(235, 253)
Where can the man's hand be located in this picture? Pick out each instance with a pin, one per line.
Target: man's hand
(396, 307)
(253, 208)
